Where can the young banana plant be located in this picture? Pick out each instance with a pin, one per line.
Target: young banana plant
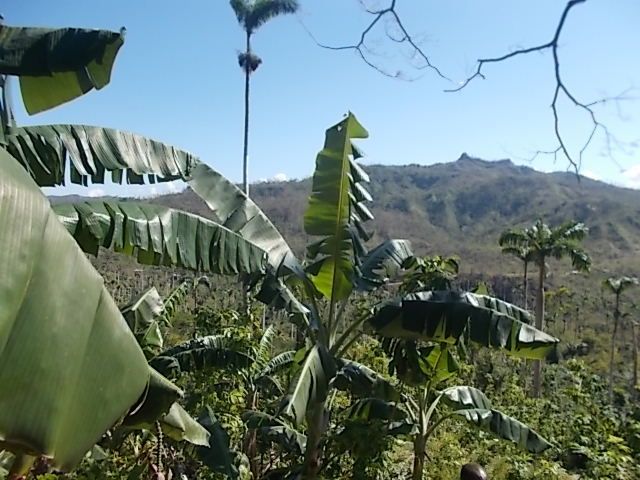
(424, 368)
(338, 264)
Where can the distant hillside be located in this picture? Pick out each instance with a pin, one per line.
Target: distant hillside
(461, 207)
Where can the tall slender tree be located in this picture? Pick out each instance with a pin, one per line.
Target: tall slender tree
(544, 243)
(522, 252)
(252, 14)
(617, 286)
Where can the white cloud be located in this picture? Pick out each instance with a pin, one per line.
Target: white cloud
(632, 176)
(96, 192)
(280, 177)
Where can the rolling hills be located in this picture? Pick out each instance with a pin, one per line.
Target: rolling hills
(462, 207)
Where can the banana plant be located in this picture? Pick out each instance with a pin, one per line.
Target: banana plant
(257, 366)
(54, 308)
(337, 266)
(423, 370)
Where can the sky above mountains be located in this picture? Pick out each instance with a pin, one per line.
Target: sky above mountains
(177, 80)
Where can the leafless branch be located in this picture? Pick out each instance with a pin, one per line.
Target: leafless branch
(560, 89)
(402, 38)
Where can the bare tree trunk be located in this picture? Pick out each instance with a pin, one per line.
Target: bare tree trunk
(245, 155)
(419, 445)
(616, 317)
(537, 364)
(525, 286)
(635, 360)
(251, 440)
(313, 451)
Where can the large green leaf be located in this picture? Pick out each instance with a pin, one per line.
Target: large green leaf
(212, 351)
(383, 262)
(462, 397)
(336, 212)
(444, 316)
(218, 456)
(159, 235)
(367, 409)
(505, 427)
(361, 381)
(64, 347)
(144, 317)
(57, 65)
(416, 365)
(89, 152)
(311, 384)
(181, 426)
(273, 429)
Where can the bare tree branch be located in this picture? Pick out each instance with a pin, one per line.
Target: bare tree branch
(404, 37)
(399, 34)
(560, 89)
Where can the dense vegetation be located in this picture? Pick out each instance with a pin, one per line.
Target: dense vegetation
(227, 352)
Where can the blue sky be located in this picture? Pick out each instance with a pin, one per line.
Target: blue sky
(177, 80)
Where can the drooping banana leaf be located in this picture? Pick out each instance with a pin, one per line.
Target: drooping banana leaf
(64, 346)
(57, 65)
(366, 409)
(444, 316)
(336, 212)
(207, 352)
(88, 152)
(279, 362)
(416, 365)
(382, 262)
(156, 401)
(159, 235)
(311, 384)
(361, 381)
(273, 429)
(144, 317)
(461, 397)
(180, 426)
(505, 427)
(218, 456)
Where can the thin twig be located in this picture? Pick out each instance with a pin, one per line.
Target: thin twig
(360, 47)
(560, 89)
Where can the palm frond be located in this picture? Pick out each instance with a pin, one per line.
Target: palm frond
(261, 11)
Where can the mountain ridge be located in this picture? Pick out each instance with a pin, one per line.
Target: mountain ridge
(461, 208)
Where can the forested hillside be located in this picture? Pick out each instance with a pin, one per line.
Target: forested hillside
(460, 208)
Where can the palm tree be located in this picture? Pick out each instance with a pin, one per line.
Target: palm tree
(617, 285)
(543, 243)
(521, 251)
(252, 14)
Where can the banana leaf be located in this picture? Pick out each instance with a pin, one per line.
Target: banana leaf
(218, 456)
(180, 426)
(505, 427)
(382, 262)
(311, 385)
(144, 317)
(367, 409)
(57, 65)
(361, 381)
(212, 351)
(89, 153)
(275, 430)
(462, 397)
(336, 212)
(64, 345)
(159, 235)
(445, 316)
